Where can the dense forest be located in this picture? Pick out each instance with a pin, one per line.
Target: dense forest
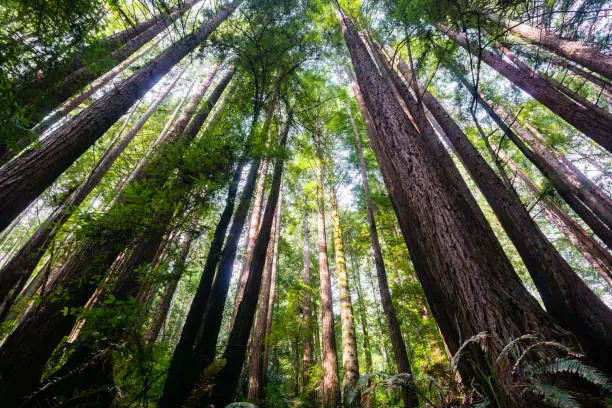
(305, 203)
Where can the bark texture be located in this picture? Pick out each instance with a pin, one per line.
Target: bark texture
(585, 120)
(469, 283)
(331, 384)
(24, 178)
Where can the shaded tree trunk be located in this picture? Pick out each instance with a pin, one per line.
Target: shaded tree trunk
(350, 362)
(274, 279)
(24, 178)
(226, 380)
(331, 384)
(469, 283)
(163, 306)
(582, 54)
(184, 347)
(257, 369)
(566, 297)
(561, 177)
(15, 273)
(397, 341)
(370, 399)
(587, 121)
(307, 330)
(593, 252)
(21, 353)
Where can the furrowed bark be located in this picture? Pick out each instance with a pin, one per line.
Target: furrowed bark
(24, 178)
(585, 120)
(15, 273)
(582, 54)
(566, 297)
(469, 283)
(400, 353)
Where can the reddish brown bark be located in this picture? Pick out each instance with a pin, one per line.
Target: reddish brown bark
(566, 297)
(24, 178)
(397, 341)
(587, 121)
(469, 283)
(331, 384)
(582, 54)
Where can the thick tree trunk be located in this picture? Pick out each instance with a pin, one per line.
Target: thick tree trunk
(566, 182)
(76, 80)
(469, 283)
(399, 347)
(582, 54)
(21, 353)
(590, 123)
(350, 363)
(331, 384)
(24, 178)
(163, 306)
(226, 381)
(257, 206)
(15, 273)
(593, 252)
(307, 335)
(183, 349)
(566, 297)
(256, 369)
(273, 279)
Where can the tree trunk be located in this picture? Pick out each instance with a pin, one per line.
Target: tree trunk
(593, 252)
(582, 54)
(399, 347)
(76, 80)
(370, 399)
(331, 383)
(15, 273)
(256, 369)
(561, 177)
(469, 283)
(257, 206)
(350, 362)
(274, 279)
(589, 122)
(24, 178)
(307, 335)
(80, 274)
(226, 381)
(184, 347)
(566, 297)
(163, 306)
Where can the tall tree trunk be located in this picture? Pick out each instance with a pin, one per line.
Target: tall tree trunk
(584, 119)
(273, 279)
(76, 80)
(226, 380)
(469, 283)
(163, 306)
(582, 54)
(184, 347)
(397, 341)
(257, 204)
(256, 369)
(350, 362)
(566, 297)
(331, 383)
(566, 183)
(370, 400)
(593, 252)
(15, 273)
(24, 178)
(21, 354)
(307, 330)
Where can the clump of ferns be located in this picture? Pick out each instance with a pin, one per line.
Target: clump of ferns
(545, 372)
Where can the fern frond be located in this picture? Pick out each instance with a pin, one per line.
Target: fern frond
(541, 344)
(474, 339)
(511, 346)
(578, 368)
(553, 396)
